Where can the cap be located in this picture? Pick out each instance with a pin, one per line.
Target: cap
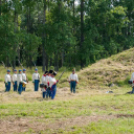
(36, 69)
(54, 73)
(24, 69)
(51, 71)
(46, 72)
(15, 70)
(8, 71)
(20, 70)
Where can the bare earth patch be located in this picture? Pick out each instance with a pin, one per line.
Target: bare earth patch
(15, 125)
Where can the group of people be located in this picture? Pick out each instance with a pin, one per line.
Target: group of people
(48, 80)
(18, 80)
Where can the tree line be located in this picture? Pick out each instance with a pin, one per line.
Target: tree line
(64, 33)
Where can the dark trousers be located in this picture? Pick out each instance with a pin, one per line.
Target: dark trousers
(8, 86)
(20, 88)
(53, 93)
(15, 86)
(44, 94)
(23, 88)
(48, 93)
(36, 85)
(73, 86)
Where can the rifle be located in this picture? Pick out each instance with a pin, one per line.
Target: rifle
(62, 74)
(20, 64)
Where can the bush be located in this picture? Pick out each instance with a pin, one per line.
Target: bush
(51, 68)
(78, 68)
(62, 69)
(123, 83)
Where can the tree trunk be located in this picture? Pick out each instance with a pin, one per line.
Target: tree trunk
(43, 39)
(56, 61)
(82, 28)
(15, 30)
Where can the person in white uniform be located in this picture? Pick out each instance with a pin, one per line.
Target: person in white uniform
(132, 79)
(45, 82)
(14, 80)
(53, 85)
(36, 80)
(24, 78)
(8, 81)
(73, 80)
(49, 76)
(19, 81)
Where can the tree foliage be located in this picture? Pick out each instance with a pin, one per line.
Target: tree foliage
(61, 33)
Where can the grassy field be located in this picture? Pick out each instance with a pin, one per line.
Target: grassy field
(90, 111)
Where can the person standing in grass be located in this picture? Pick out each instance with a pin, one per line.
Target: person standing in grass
(48, 82)
(24, 78)
(14, 80)
(53, 86)
(36, 80)
(132, 78)
(8, 81)
(44, 81)
(73, 80)
(20, 81)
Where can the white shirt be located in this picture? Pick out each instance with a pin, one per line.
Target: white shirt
(14, 77)
(36, 76)
(24, 77)
(7, 78)
(132, 78)
(48, 79)
(19, 78)
(73, 77)
(52, 81)
(44, 80)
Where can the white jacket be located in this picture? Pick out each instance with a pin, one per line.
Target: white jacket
(73, 77)
(24, 77)
(14, 77)
(7, 78)
(44, 80)
(52, 81)
(132, 79)
(36, 76)
(19, 79)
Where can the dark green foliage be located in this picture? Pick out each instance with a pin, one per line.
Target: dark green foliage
(55, 32)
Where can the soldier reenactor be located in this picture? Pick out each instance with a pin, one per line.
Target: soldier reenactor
(8, 81)
(45, 82)
(73, 80)
(36, 79)
(19, 81)
(14, 80)
(24, 78)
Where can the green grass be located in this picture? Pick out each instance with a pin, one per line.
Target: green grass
(90, 100)
(86, 105)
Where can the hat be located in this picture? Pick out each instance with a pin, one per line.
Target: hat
(24, 69)
(8, 71)
(51, 71)
(15, 70)
(54, 73)
(46, 72)
(36, 69)
(20, 70)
